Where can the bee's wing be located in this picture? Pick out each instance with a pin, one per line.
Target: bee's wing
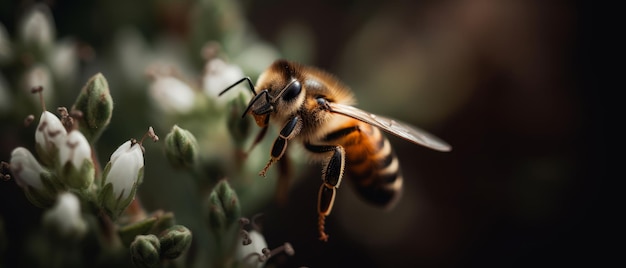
(400, 129)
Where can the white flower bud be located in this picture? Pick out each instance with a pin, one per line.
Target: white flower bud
(65, 219)
(218, 75)
(37, 182)
(49, 136)
(171, 94)
(25, 169)
(126, 163)
(75, 158)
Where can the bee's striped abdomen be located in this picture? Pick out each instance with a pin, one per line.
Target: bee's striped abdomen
(370, 162)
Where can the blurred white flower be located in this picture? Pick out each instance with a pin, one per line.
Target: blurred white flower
(25, 169)
(39, 75)
(248, 255)
(37, 27)
(65, 218)
(49, 136)
(64, 60)
(171, 94)
(257, 57)
(126, 163)
(218, 75)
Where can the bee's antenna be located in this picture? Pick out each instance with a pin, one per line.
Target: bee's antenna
(239, 82)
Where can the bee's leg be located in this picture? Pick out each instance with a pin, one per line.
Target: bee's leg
(290, 130)
(332, 174)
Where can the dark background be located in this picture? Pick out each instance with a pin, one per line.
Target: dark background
(524, 184)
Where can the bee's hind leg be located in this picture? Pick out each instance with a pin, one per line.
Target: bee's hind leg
(332, 174)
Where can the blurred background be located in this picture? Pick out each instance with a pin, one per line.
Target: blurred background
(508, 84)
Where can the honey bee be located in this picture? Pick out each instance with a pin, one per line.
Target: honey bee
(313, 107)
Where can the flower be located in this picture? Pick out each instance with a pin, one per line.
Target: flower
(171, 94)
(64, 219)
(48, 137)
(39, 75)
(77, 168)
(37, 27)
(126, 163)
(35, 180)
(249, 255)
(26, 170)
(218, 75)
(121, 176)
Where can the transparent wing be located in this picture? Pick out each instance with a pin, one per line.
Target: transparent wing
(400, 129)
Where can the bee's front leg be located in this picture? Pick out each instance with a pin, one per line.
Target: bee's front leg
(332, 174)
(289, 130)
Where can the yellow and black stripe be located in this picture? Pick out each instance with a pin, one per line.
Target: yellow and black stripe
(370, 162)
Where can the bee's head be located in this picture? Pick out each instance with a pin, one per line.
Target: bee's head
(281, 93)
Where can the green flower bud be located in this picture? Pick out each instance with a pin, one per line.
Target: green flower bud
(77, 168)
(216, 215)
(181, 148)
(49, 137)
(230, 201)
(64, 220)
(121, 177)
(174, 241)
(96, 105)
(36, 181)
(223, 207)
(145, 251)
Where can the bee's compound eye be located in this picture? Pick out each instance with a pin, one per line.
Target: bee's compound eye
(292, 91)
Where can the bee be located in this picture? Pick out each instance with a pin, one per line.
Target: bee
(314, 108)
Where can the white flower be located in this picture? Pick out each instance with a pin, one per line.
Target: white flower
(248, 255)
(26, 170)
(172, 94)
(65, 218)
(49, 136)
(64, 60)
(75, 149)
(37, 27)
(38, 75)
(125, 164)
(75, 158)
(218, 75)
